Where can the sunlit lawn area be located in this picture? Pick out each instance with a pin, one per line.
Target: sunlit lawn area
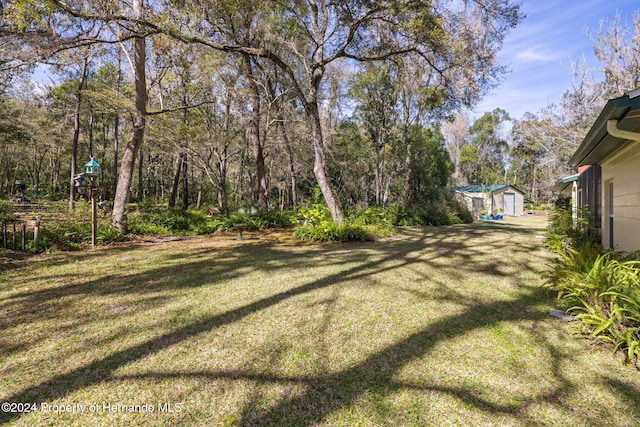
(433, 326)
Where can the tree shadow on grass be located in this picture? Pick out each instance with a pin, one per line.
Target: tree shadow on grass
(324, 393)
(376, 374)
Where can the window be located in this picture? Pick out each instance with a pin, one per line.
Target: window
(609, 213)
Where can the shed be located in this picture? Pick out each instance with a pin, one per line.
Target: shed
(495, 199)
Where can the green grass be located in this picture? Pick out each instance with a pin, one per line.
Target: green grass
(433, 326)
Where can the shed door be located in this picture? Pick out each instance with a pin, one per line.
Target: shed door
(510, 204)
(478, 203)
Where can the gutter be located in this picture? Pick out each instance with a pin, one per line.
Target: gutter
(614, 130)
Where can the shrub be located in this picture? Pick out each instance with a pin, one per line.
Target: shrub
(564, 232)
(601, 289)
(375, 215)
(195, 221)
(604, 292)
(367, 224)
(461, 212)
(330, 231)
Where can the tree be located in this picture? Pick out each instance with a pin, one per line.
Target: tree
(482, 161)
(374, 91)
(456, 134)
(616, 47)
(430, 167)
(459, 40)
(76, 129)
(542, 146)
(121, 197)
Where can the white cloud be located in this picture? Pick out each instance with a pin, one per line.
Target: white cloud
(538, 50)
(536, 55)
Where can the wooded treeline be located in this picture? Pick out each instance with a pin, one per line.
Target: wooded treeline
(244, 104)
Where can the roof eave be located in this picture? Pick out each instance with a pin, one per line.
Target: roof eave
(598, 144)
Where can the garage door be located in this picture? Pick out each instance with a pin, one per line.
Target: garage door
(510, 204)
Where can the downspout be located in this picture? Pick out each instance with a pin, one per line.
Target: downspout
(612, 128)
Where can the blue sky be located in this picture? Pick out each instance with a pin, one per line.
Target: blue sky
(540, 50)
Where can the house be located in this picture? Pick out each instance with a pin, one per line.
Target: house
(566, 187)
(495, 199)
(583, 189)
(613, 143)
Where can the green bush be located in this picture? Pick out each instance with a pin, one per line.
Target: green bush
(602, 289)
(195, 221)
(603, 292)
(330, 231)
(564, 232)
(314, 214)
(6, 212)
(367, 224)
(461, 212)
(375, 215)
(447, 212)
(73, 235)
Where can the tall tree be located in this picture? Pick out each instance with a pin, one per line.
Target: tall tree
(456, 134)
(482, 161)
(127, 164)
(262, 191)
(459, 39)
(616, 47)
(76, 129)
(374, 90)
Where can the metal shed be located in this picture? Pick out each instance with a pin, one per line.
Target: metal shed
(495, 199)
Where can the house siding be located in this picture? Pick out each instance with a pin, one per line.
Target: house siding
(623, 171)
(590, 186)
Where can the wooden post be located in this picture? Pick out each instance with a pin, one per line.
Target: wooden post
(36, 234)
(14, 236)
(93, 216)
(4, 234)
(36, 231)
(24, 236)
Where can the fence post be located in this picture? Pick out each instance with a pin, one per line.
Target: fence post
(14, 236)
(4, 234)
(36, 234)
(24, 236)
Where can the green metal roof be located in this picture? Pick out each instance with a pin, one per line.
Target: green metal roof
(564, 182)
(598, 144)
(569, 178)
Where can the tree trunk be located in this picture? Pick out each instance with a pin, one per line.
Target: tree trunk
(137, 132)
(140, 176)
(76, 134)
(185, 181)
(176, 181)
(261, 181)
(223, 198)
(320, 162)
(378, 178)
(116, 132)
(292, 168)
(408, 193)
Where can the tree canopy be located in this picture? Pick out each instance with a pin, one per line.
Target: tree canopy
(286, 52)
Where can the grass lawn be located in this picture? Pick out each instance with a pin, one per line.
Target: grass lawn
(433, 326)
